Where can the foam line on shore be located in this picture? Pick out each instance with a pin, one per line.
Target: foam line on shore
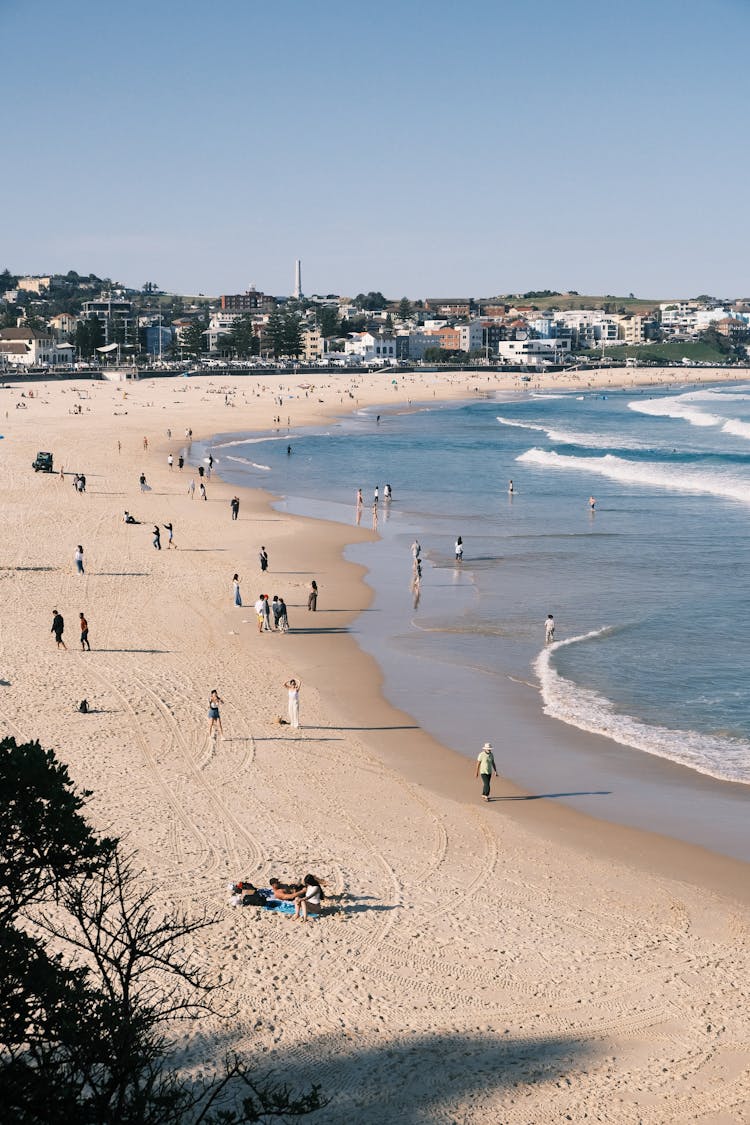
(588, 710)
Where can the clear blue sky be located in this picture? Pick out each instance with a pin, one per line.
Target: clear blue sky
(419, 148)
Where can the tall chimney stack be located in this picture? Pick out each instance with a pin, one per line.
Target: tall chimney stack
(298, 279)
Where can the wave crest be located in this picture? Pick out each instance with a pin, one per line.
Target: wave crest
(726, 759)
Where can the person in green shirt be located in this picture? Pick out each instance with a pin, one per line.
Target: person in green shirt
(485, 768)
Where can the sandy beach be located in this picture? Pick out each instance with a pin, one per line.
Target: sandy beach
(512, 962)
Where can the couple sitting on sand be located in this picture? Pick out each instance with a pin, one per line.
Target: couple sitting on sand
(306, 896)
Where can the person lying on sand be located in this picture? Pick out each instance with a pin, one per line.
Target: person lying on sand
(287, 892)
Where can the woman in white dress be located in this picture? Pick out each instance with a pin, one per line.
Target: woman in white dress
(293, 687)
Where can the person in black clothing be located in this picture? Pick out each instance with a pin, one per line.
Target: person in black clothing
(235, 504)
(312, 597)
(263, 559)
(58, 626)
(157, 537)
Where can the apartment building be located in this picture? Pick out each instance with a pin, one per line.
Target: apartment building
(115, 316)
(252, 300)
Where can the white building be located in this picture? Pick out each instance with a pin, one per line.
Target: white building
(371, 347)
(472, 336)
(533, 352)
(27, 347)
(591, 328)
(220, 324)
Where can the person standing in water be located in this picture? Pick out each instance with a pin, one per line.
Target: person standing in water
(549, 629)
(510, 487)
(459, 549)
(592, 503)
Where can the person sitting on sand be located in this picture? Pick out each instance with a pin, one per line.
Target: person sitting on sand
(127, 518)
(287, 892)
(308, 901)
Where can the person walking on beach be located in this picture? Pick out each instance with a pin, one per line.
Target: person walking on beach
(201, 471)
(145, 443)
(202, 490)
(459, 549)
(263, 559)
(170, 535)
(549, 629)
(180, 462)
(191, 488)
(78, 559)
(58, 628)
(84, 633)
(261, 612)
(312, 597)
(485, 768)
(266, 613)
(157, 537)
(236, 588)
(170, 462)
(142, 482)
(235, 505)
(293, 687)
(214, 717)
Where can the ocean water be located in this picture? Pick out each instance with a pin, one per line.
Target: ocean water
(648, 590)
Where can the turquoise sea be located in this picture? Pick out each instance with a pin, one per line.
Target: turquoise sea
(648, 591)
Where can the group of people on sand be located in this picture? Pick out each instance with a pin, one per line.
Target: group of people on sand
(307, 896)
(267, 610)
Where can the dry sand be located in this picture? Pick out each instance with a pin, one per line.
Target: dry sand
(501, 963)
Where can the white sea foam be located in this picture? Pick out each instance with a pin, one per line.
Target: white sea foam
(570, 437)
(250, 441)
(675, 408)
(724, 758)
(648, 474)
(250, 464)
(682, 407)
(737, 428)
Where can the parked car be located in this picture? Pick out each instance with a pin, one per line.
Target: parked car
(42, 463)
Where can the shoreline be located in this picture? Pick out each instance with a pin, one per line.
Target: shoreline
(652, 783)
(520, 936)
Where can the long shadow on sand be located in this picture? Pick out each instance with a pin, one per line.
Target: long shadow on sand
(29, 569)
(323, 629)
(414, 1078)
(550, 796)
(121, 573)
(151, 650)
(408, 726)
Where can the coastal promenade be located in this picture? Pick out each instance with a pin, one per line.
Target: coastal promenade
(501, 963)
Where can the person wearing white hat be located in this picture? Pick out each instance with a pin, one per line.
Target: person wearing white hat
(485, 768)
